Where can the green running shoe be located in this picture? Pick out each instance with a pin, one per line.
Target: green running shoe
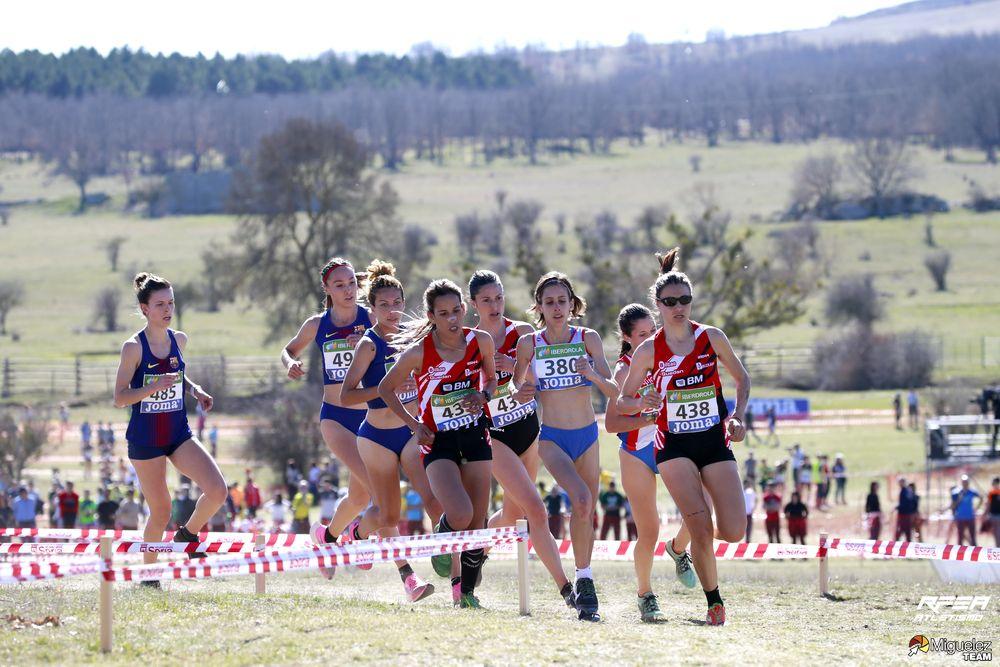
(682, 566)
(650, 609)
(441, 562)
(468, 601)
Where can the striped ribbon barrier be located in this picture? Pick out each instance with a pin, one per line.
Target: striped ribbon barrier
(915, 550)
(95, 534)
(615, 550)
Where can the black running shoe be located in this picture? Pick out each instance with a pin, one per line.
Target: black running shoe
(150, 584)
(568, 596)
(182, 534)
(586, 600)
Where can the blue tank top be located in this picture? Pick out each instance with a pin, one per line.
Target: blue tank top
(381, 363)
(332, 341)
(159, 420)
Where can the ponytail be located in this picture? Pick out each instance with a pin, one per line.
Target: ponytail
(669, 273)
(627, 318)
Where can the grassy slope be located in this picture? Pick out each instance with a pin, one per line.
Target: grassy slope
(360, 617)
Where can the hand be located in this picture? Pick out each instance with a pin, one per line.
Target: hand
(204, 399)
(353, 339)
(408, 385)
(583, 366)
(525, 393)
(503, 363)
(295, 370)
(165, 382)
(650, 401)
(425, 438)
(735, 429)
(474, 402)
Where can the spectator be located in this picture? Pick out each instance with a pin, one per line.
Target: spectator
(292, 477)
(200, 411)
(314, 475)
(107, 509)
(553, 507)
(750, 501)
(796, 512)
(913, 407)
(213, 439)
(631, 531)
(414, 512)
(331, 469)
(964, 503)
(796, 457)
(53, 500)
(301, 503)
(993, 509)
(128, 512)
(611, 504)
(824, 480)
(897, 408)
(85, 434)
(88, 511)
(182, 506)
(219, 522)
(748, 418)
(25, 509)
(69, 506)
(804, 487)
(840, 477)
(918, 519)
(328, 501)
(750, 469)
(6, 512)
(772, 510)
(278, 507)
(772, 427)
(63, 420)
(251, 496)
(906, 509)
(236, 500)
(873, 513)
(766, 475)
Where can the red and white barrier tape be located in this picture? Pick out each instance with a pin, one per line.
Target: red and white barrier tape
(95, 534)
(16, 573)
(915, 550)
(615, 550)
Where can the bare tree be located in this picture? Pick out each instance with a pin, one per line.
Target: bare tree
(112, 247)
(106, 304)
(854, 298)
(11, 296)
(469, 229)
(411, 251)
(23, 436)
(815, 183)
(186, 295)
(882, 168)
(938, 262)
(523, 217)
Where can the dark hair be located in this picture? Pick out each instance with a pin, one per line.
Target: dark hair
(578, 308)
(874, 487)
(381, 275)
(480, 279)
(324, 273)
(669, 275)
(146, 283)
(413, 333)
(627, 318)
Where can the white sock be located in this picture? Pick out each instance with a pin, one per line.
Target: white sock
(584, 573)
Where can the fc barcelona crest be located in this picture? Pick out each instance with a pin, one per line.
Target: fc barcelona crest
(174, 363)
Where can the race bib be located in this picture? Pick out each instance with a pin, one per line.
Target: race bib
(692, 410)
(643, 391)
(505, 410)
(449, 413)
(337, 357)
(406, 396)
(554, 365)
(170, 399)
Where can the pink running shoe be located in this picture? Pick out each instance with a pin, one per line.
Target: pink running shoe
(347, 537)
(716, 615)
(317, 532)
(416, 588)
(456, 593)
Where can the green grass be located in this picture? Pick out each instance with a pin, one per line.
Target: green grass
(774, 614)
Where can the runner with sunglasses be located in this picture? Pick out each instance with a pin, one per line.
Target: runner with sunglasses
(694, 430)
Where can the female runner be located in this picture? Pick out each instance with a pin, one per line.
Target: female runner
(565, 361)
(694, 430)
(456, 377)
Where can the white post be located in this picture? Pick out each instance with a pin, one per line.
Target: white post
(105, 601)
(259, 577)
(824, 573)
(522, 570)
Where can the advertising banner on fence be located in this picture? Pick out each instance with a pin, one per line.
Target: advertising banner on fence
(784, 408)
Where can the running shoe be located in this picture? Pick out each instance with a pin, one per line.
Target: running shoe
(317, 532)
(350, 536)
(567, 595)
(416, 588)
(469, 601)
(456, 590)
(150, 584)
(649, 608)
(682, 566)
(716, 614)
(441, 562)
(182, 534)
(586, 600)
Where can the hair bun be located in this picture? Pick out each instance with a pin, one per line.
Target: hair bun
(140, 279)
(668, 261)
(380, 267)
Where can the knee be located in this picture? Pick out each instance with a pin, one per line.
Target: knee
(732, 531)
(358, 497)
(535, 513)
(700, 527)
(583, 503)
(216, 493)
(158, 517)
(459, 518)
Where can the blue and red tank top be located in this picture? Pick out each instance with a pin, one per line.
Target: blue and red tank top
(503, 408)
(553, 362)
(645, 436)
(380, 365)
(690, 386)
(159, 420)
(441, 385)
(337, 352)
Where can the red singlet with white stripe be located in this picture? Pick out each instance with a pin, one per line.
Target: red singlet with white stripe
(642, 437)
(686, 381)
(439, 378)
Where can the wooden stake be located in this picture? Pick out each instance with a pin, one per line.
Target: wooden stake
(824, 572)
(106, 614)
(259, 577)
(522, 570)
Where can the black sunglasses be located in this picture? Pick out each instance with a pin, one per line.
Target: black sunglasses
(671, 301)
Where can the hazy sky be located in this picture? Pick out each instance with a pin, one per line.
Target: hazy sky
(301, 29)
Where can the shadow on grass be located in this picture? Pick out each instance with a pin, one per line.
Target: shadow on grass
(833, 597)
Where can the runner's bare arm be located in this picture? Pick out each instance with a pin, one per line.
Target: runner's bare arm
(204, 399)
(351, 392)
(642, 363)
(290, 353)
(598, 372)
(409, 363)
(614, 420)
(727, 356)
